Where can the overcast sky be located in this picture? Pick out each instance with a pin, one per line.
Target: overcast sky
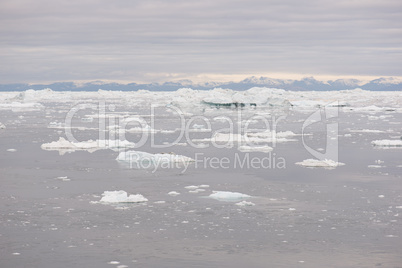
(154, 41)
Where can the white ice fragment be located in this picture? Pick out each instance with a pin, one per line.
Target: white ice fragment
(366, 131)
(203, 186)
(374, 166)
(228, 196)
(64, 178)
(121, 197)
(2, 126)
(173, 193)
(159, 202)
(16, 253)
(63, 145)
(245, 203)
(326, 163)
(196, 191)
(387, 143)
(191, 187)
(11, 150)
(114, 262)
(381, 196)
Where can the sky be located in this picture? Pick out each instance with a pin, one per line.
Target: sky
(217, 40)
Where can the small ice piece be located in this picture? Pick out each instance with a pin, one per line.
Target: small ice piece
(196, 191)
(245, 203)
(347, 135)
(196, 126)
(203, 186)
(387, 143)
(159, 202)
(292, 209)
(191, 187)
(87, 119)
(326, 163)
(114, 262)
(173, 193)
(11, 150)
(381, 196)
(374, 166)
(121, 197)
(16, 253)
(63, 145)
(228, 196)
(65, 178)
(2, 126)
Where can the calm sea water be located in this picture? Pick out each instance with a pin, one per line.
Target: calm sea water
(345, 217)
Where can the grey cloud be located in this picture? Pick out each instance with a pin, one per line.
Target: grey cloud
(71, 40)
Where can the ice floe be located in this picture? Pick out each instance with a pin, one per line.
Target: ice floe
(63, 145)
(387, 143)
(173, 193)
(2, 126)
(326, 163)
(228, 196)
(245, 203)
(121, 197)
(366, 131)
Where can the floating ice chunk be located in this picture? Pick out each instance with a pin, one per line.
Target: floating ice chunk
(65, 178)
(121, 197)
(203, 186)
(366, 131)
(191, 187)
(87, 119)
(387, 143)
(228, 196)
(196, 126)
(18, 106)
(11, 150)
(326, 163)
(270, 134)
(173, 193)
(372, 108)
(2, 126)
(264, 149)
(374, 166)
(245, 203)
(196, 191)
(63, 145)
